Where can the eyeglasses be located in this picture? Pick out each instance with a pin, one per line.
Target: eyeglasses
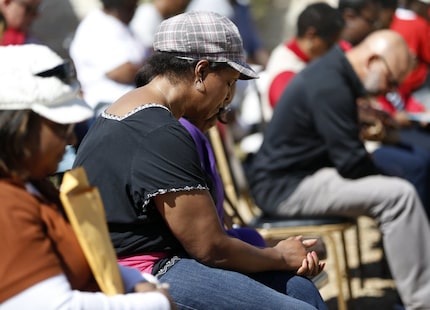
(65, 72)
(222, 114)
(30, 9)
(392, 82)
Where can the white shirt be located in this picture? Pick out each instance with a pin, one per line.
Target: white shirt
(222, 7)
(145, 24)
(55, 293)
(101, 44)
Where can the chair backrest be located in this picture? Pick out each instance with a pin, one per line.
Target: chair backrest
(241, 208)
(238, 203)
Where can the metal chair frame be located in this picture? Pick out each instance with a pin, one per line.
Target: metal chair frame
(243, 212)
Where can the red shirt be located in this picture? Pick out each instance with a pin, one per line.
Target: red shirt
(281, 80)
(13, 37)
(416, 32)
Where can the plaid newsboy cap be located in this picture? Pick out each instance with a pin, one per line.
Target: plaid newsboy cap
(204, 35)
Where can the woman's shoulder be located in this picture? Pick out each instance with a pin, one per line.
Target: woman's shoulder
(17, 202)
(143, 108)
(10, 189)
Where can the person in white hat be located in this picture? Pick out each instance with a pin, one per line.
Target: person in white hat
(160, 213)
(42, 265)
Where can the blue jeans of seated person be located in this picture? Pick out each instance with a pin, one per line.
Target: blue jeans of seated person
(196, 286)
(411, 163)
(415, 135)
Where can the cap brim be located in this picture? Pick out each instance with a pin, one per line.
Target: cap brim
(73, 111)
(246, 72)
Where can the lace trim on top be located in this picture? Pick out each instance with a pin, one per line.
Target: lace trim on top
(172, 190)
(135, 110)
(160, 191)
(167, 266)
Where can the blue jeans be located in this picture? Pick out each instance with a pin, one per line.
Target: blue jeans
(196, 286)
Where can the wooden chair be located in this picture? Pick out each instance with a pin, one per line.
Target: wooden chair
(243, 212)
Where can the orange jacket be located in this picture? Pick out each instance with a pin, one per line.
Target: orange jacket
(36, 242)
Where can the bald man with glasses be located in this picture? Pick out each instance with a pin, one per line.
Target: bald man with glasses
(313, 162)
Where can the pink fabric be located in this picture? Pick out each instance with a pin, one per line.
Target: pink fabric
(345, 45)
(143, 263)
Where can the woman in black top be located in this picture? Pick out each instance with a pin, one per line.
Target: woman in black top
(160, 213)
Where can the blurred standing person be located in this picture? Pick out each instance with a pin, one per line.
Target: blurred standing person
(42, 265)
(149, 16)
(19, 16)
(106, 53)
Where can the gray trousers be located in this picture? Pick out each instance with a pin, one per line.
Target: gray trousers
(393, 203)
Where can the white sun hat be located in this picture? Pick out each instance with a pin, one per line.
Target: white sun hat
(36, 78)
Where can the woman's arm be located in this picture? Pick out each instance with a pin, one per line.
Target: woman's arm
(193, 220)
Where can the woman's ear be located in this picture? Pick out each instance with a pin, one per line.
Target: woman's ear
(201, 69)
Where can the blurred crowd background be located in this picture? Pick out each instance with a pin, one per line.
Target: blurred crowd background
(271, 18)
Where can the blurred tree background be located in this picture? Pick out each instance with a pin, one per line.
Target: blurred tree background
(269, 16)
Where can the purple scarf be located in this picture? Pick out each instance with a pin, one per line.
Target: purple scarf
(207, 160)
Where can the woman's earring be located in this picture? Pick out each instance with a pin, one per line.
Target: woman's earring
(198, 83)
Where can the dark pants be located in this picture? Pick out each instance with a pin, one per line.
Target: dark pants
(411, 163)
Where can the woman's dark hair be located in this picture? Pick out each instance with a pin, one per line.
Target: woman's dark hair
(326, 20)
(168, 64)
(17, 140)
(161, 63)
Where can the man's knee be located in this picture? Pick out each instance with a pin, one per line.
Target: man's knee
(401, 197)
